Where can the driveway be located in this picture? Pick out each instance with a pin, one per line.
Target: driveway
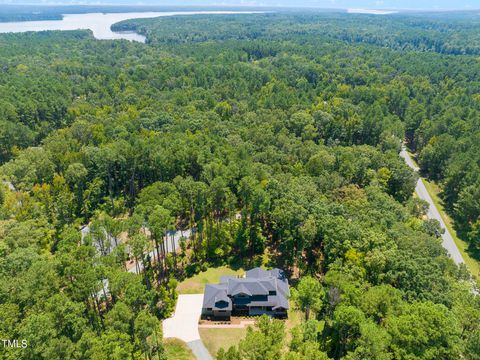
(184, 324)
(176, 237)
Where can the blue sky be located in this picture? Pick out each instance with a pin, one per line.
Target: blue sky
(370, 4)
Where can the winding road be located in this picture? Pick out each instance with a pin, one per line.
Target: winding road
(433, 213)
(170, 247)
(184, 322)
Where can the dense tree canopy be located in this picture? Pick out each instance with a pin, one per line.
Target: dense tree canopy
(275, 139)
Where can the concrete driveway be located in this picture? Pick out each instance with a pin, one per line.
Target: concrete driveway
(184, 324)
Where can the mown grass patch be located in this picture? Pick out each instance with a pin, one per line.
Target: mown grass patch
(216, 338)
(196, 284)
(176, 349)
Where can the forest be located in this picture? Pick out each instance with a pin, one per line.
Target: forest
(275, 138)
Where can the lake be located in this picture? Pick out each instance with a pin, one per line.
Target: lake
(99, 23)
(371, 12)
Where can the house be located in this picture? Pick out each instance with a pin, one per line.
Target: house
(259, 292)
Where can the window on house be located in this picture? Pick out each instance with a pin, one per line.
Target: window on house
(272, 292)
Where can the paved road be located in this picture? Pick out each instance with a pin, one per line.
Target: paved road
(169, 247)
(137, 268)
(433, 213)
(184, 324)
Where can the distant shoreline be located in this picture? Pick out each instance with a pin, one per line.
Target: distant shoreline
(25, 13)
(100, 23)
(372, 11)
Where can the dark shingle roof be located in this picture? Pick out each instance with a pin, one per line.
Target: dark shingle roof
(211, 293)
(268, 283)
(257, 273)
(246, 286)
(277, 273)
(239, 288)
(282, 302)
(282, 287)
(224, 279)
(257, 282)
(222, 304)
(221, 296)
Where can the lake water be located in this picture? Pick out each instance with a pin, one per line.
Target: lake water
(99, 23)
(371, 12)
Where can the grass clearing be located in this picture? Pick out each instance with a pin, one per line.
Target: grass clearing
(214, 339)
(176, 349)
(196, 284)
(473, 264)
(295, 317)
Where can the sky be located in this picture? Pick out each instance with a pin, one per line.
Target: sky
(339, 4)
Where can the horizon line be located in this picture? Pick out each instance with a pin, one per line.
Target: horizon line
(247, 6)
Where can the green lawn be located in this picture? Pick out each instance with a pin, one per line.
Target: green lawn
(295, 317)
(176, 349)
(214, 339)
(196, 284)
(472, 264)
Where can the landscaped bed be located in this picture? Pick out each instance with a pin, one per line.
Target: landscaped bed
(235, 322)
